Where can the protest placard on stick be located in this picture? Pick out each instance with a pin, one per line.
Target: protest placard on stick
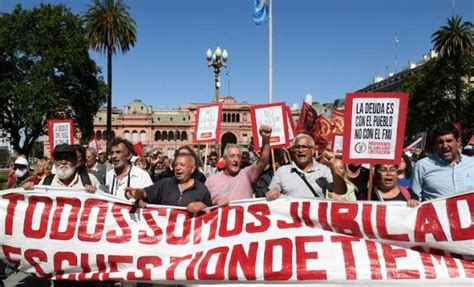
(208, 124)
(59, 132)
(274, 115)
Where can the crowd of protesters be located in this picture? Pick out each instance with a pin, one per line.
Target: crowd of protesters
(300, 171)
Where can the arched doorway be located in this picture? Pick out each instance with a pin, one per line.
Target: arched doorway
(226, 138)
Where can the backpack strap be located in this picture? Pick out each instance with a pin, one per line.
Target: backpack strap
(85, 179)
(405, 192)
(48, 179)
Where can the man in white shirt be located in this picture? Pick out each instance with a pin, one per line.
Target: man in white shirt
(124, 174)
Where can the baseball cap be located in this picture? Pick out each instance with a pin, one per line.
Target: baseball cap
(64, 149)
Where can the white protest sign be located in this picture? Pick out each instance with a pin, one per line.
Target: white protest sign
(60, 132)
(375, 127)
(208, 123)
(274, 115)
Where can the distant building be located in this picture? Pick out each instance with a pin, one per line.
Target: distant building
(168, 129)
(393, 81)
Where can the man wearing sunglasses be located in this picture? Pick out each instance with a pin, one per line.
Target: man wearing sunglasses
(305, 177)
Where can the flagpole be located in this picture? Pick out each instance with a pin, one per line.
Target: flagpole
(270, 52)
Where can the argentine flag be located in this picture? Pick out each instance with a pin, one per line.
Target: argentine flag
(260, 12)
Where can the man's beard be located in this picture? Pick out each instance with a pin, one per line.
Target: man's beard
(65, 172)
(120, 166)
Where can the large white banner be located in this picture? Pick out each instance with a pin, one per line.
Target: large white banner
(69, 234)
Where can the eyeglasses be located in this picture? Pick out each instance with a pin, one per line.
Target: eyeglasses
(302, 147)
(19, 166)
(213, 158)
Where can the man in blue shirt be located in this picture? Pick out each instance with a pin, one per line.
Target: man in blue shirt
(446, 172)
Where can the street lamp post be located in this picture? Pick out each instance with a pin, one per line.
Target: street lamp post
(217, 60)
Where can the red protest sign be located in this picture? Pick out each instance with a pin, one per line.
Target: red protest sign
(374, 127)
(207, 128)
(274, 115)
(59, 132)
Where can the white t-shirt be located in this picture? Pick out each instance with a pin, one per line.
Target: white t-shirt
(136, 178)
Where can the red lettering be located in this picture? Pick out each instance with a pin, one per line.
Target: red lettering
(374, 260)
(199, 221)
(457, 232)
(143, 237)
(261, 212)
(71, 220)
(286, 257)
(294, 215)
(192, 265)
(30, 256)
(13, 199)
(218, 273)
(343, 218)
(58, 260)
(427, 222)
(468, 268)
(112, 235)
(86, 269)
(305, 213)
(382, 227)
(113, 261)
(246, 261)
(89, 204)
(224, 230)
(367, 221)
(302, 272)
(174, 261)
(171, 238)
(30, 215)
(143, 264)
(8, 251)
(349, 262)
(390, 255)
(322, 216)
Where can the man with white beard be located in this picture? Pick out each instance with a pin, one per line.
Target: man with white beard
(65, 158)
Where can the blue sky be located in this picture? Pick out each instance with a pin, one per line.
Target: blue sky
(326, 48)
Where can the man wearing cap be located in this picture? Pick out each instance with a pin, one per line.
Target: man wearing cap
(21, 173)
(124, 174)
(65, 162)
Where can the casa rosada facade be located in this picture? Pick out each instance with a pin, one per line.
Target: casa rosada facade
(168, 129)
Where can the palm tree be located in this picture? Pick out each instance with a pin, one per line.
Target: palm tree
(452, 42)
(109, 27)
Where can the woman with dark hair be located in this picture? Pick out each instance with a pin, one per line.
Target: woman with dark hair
(404, 171)
(386, 188)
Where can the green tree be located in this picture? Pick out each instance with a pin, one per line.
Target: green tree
(45, 72)
(452, 42)
(110, 28)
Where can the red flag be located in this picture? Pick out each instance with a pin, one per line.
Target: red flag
(323, 133)
(307, 120)
(138, 147)
(338, 120)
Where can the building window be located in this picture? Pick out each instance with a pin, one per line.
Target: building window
(171, 119)
(158, 119)
(224, 118)
(165, 135)
(238, 118)
(158, 136)
(184, 136)
(142, 136)
(112, 135)
(100, 119)
(184, 119)
(126, 135)
(134, 136)
(233, 118)
(177, 135)
(171, 135)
